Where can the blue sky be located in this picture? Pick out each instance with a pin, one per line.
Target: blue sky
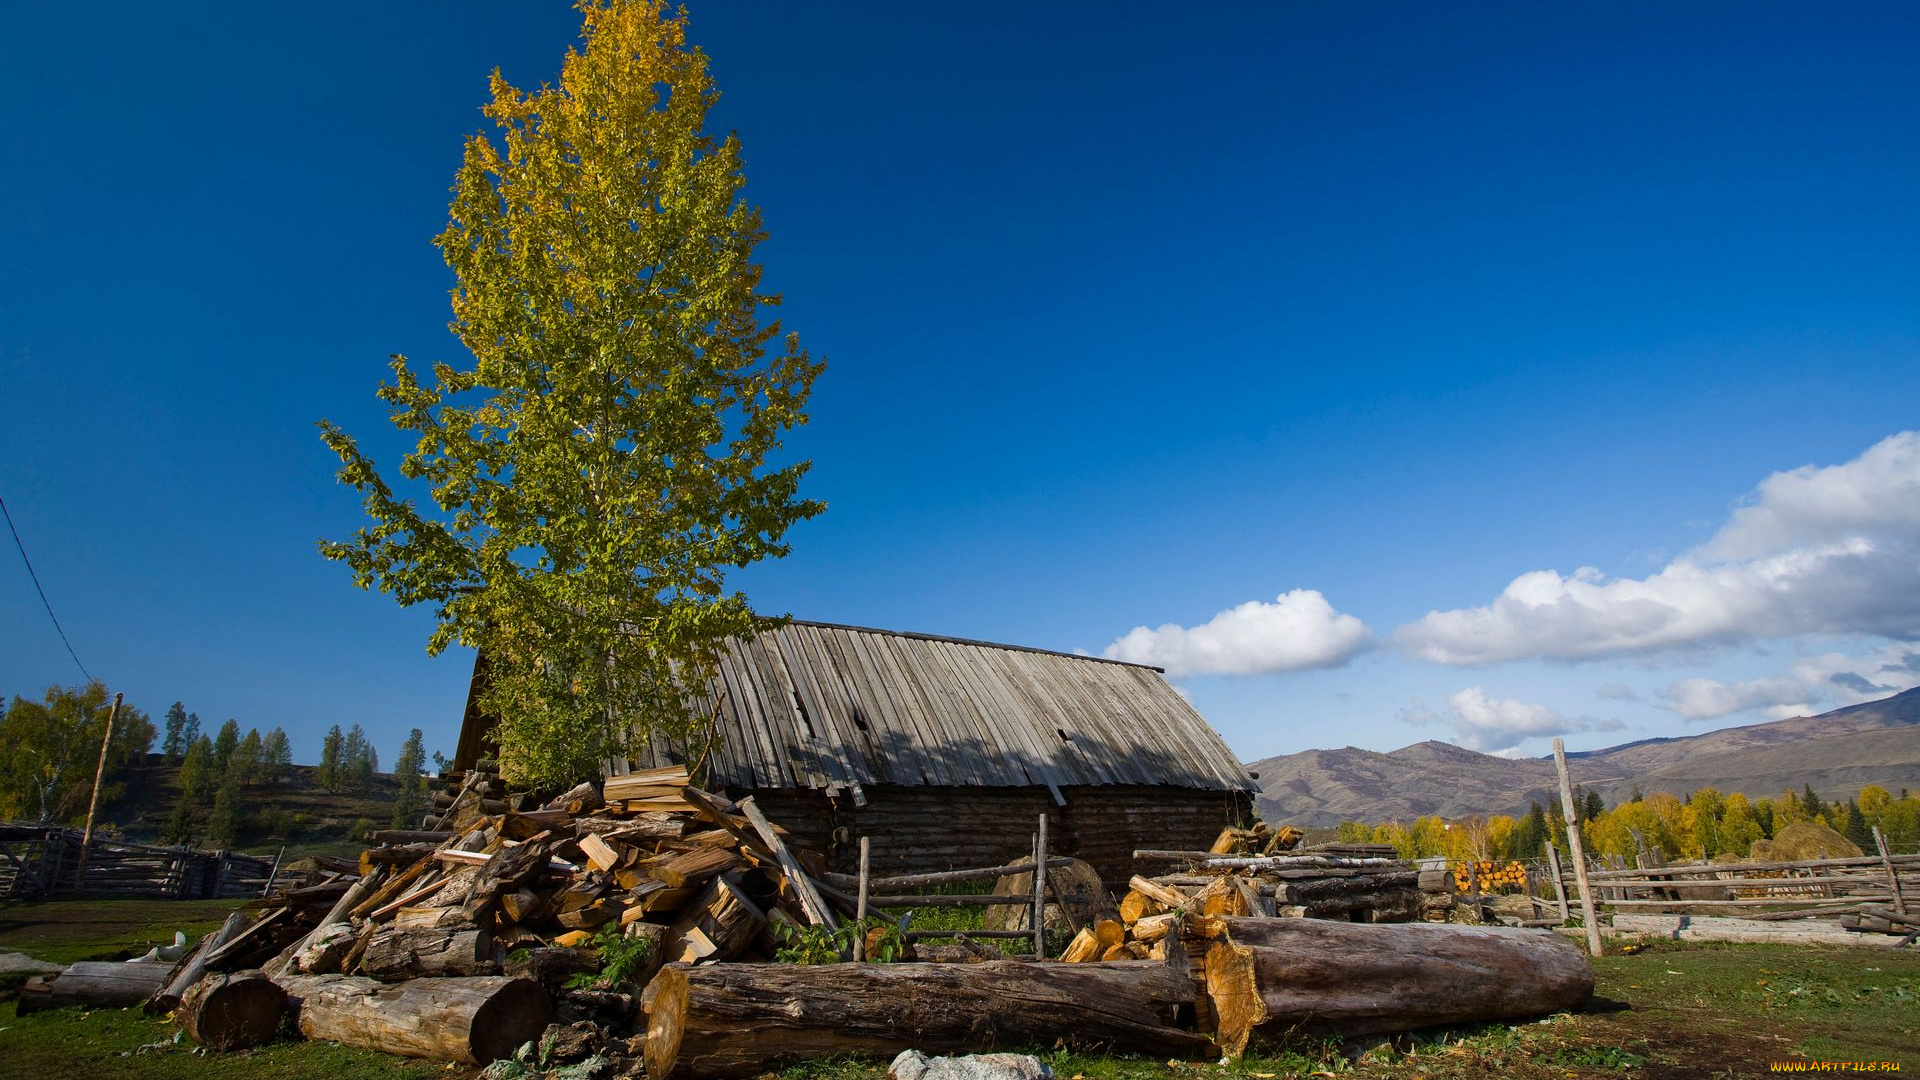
(1134, 316)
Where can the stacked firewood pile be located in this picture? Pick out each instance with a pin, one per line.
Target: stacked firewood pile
(510, 926)
(1358, 884)
(467, 940)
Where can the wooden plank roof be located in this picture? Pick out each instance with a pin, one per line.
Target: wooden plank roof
(818, 705)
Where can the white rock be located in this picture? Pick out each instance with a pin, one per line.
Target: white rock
(914, 1065)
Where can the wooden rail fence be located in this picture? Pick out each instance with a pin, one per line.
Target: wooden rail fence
(43, 862)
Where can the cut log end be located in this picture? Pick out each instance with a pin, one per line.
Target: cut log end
(233, 1012)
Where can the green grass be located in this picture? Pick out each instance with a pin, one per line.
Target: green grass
(126, 1044)
(1669, 1011)
(64, 931)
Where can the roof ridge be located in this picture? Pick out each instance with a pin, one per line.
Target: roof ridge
(914, 634)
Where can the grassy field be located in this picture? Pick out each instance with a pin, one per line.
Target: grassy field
(1668, 1011)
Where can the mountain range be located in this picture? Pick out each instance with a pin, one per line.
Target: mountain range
(1837, 753)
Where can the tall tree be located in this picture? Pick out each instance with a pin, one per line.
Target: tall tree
(223, 825)
(358, 762)
(198, 780)
(332, 760)
(248, 761)
(174, 743)
(224, 744)
(190, 732)
(413, 783)
(608, 455)
(49, 750)
(181, 827)
(277, 753)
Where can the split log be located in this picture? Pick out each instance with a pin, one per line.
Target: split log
(96, 985)
(472, 1021)
(236, 1011)
(734, 1020)
(409, 952)
(1270, 978)
(719, 926)
(694, 867)
(194, 965)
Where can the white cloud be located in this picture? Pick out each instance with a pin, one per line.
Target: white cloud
(1498, 726)
(1812, 551)
(1298, 630)
(1707, 699)
(1614, 691)
(1814, 684)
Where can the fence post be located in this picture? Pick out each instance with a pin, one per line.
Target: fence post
(860, 909)
(1559, 883)
(1577, 847)
(1040, 891)
(1893, 877)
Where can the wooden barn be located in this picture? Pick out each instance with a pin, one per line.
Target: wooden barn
(945, 751)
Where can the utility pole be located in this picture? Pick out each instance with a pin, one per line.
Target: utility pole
(93, 803)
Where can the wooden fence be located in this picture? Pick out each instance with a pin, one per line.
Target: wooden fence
(892, 892)
(42, 862)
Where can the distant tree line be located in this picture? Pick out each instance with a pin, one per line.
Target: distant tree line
(49, 750)
(1704, 824)
(218, 776)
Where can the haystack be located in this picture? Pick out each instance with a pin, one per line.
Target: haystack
(1805, 840)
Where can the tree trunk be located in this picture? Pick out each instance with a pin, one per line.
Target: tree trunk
(1273, 977)
(397, 952)
(473, 1021)
(732, 1020)
(232, 1012)
(96, 985)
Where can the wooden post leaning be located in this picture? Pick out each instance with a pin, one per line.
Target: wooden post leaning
(1577, 847)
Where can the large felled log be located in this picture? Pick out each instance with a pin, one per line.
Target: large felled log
(232, 1012)
(404, 952)
(473, 1021)
(96, 985)
(730, 1020)
(1274, 977)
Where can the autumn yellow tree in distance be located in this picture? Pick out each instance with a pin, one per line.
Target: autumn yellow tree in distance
(606, 456)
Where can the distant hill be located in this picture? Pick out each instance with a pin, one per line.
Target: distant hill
(1837, 752)
(295, 812)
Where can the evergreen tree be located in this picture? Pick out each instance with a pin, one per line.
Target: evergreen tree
(332, 752)
(358, 760)
(180, 827)
(191, 730)
(175, 741)
(1855, 827)
(1637, 795)
(248, 759)
(224, 745)
(1593, 807)
(1531, 834)
(223, 825)
(413, 784)
(276, 752)
(1811, 804)
(1763, 817)
(198, 781)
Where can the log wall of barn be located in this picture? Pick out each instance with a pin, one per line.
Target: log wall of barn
(922, 829)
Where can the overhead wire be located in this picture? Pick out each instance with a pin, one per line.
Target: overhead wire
(43, 593)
